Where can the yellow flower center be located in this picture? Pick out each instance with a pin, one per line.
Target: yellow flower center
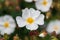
(6, 24)
(55, 28)
(30, 20)
(44, 2)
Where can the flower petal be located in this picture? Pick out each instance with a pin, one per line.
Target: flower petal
(34, 13)
(41, 35)
(32, 27)
(40, 20)
(12, 25)
(8, 31)
(20, 21)
(25, 13)
(1, 28)
(8, 18)
(28, 0)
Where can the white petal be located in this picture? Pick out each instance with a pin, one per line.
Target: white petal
(8, 31)
(32, 27)
(1, 28)
(25, 13)
(30, 13)
(34, 13)
(49, 3)
(28, 0)
(12, 25)
(20, 21)
(40, 20)
(50, 27)
(8, 18)
(44, 9)
(41, 35)
(1, 20)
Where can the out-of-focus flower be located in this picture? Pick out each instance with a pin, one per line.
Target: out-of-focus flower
(43, 34)
(16, 37)
(7, 3)
(30, 18)
(7, 24)
(54, 26)
(48, 15)
(28, 0)
(43, 5)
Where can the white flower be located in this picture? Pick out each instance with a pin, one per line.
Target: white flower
(30, 18)
(54, 26)
(7, 24)
(28, 0)
(43, 5)
(43, 34)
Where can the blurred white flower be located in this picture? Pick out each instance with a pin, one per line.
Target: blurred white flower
(7, 24)
(54, 26)
(30, 18)
(28, 0)
(43, 5)
(43, 34)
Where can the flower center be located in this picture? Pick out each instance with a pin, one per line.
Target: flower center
(6, 24)
(44, 2)
(30, 20)
(55, 28)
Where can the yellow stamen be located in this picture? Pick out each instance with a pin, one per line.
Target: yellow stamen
(30, 20)
(44, 2)
(6, 24)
